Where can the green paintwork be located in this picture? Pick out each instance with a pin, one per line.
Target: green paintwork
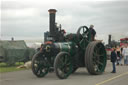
(67, 47)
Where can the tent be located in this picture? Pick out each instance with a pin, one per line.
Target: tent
(14, 51)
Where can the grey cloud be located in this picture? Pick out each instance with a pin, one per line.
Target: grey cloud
(108, 4)
(108, 17)
(13, 5)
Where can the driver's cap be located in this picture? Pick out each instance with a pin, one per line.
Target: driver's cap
(91, 26)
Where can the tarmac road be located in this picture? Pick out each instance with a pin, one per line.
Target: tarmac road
(80, 77)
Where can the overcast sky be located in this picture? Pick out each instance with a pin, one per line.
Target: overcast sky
(29, 19)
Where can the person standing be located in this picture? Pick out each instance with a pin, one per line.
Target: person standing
(125, 54)
(113, 59)
(93, 32)
(121, 49)
(118, 52)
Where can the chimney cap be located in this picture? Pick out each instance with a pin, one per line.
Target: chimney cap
(52, 10)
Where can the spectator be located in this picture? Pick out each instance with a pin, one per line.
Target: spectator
(125, 54)
(118, 52)
(113, 60)
(121, 49)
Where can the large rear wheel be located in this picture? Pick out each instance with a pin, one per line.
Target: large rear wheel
(40, 65)
(95, 58)
(63, 65)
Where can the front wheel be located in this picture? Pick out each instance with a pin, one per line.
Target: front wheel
(40, 65)
(63, 65)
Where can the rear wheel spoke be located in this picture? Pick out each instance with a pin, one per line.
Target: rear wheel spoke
(99, 62)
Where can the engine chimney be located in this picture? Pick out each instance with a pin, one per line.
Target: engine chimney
(52, 14)
(109, 39)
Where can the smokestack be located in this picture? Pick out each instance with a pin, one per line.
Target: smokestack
(12, 39)
(109, 39)
(52, 14)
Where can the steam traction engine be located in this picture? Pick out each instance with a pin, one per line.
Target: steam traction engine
(67, 55)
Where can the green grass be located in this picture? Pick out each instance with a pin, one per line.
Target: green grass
(5, 68)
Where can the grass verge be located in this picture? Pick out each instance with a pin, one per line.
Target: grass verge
(5, 68)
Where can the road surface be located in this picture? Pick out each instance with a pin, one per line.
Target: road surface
(80, 77)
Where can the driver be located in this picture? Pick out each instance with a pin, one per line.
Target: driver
(93, 32)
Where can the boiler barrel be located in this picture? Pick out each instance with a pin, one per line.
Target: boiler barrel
(65, 46)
